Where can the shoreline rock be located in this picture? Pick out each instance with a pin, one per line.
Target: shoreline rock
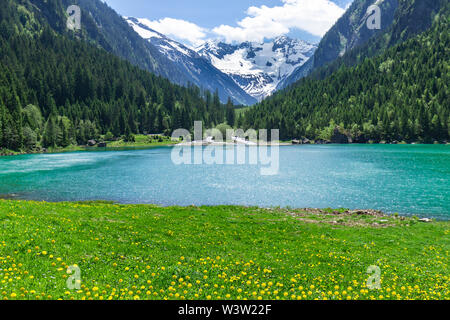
(340, 138)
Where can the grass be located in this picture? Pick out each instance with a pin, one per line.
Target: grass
(71, 148)
(143, 141)
(4, 152)
(150, 252)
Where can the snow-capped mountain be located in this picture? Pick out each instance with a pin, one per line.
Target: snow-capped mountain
(258, 68)
(195, 67)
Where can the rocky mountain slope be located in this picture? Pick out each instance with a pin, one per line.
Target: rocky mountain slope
(103, 27)
(349, 32)
(349, 41)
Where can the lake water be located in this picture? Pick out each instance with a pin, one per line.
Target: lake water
(408, 179)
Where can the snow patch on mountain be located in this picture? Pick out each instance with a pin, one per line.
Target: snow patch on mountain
(170, 47)
(258, 68)
(145, 33)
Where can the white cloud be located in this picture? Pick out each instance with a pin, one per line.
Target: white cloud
(180, 29)
(313, 16)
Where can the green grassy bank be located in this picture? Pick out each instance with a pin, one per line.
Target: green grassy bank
(140, 141)
(150, 252)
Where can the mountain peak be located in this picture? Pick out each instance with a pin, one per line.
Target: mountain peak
(258, 67)
(142, 28)
(282, 39)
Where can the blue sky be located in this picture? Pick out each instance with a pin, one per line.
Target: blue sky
(192, 22)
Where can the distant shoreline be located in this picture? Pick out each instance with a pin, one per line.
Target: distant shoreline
(317, 211)
(133, 146)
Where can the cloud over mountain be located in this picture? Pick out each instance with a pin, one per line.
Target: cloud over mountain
(315, 17)
(263, 22)
(179, 29)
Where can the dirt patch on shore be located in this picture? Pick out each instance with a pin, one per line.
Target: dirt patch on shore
(351, 218)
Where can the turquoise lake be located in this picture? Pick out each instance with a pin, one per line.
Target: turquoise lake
(408, 179)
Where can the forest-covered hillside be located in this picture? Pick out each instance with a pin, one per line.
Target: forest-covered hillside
(350, 41)
(400, 95)
(56, 90)
(103, 27)
(410, 19)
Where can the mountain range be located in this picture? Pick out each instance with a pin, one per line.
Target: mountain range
(194, 67)
(104, 28)
(246, 72)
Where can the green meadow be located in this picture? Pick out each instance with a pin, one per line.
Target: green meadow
(141, 140)
(225, 252)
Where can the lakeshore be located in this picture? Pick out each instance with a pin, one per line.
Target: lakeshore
(122, 145)
(140, 141)
(177, 251)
